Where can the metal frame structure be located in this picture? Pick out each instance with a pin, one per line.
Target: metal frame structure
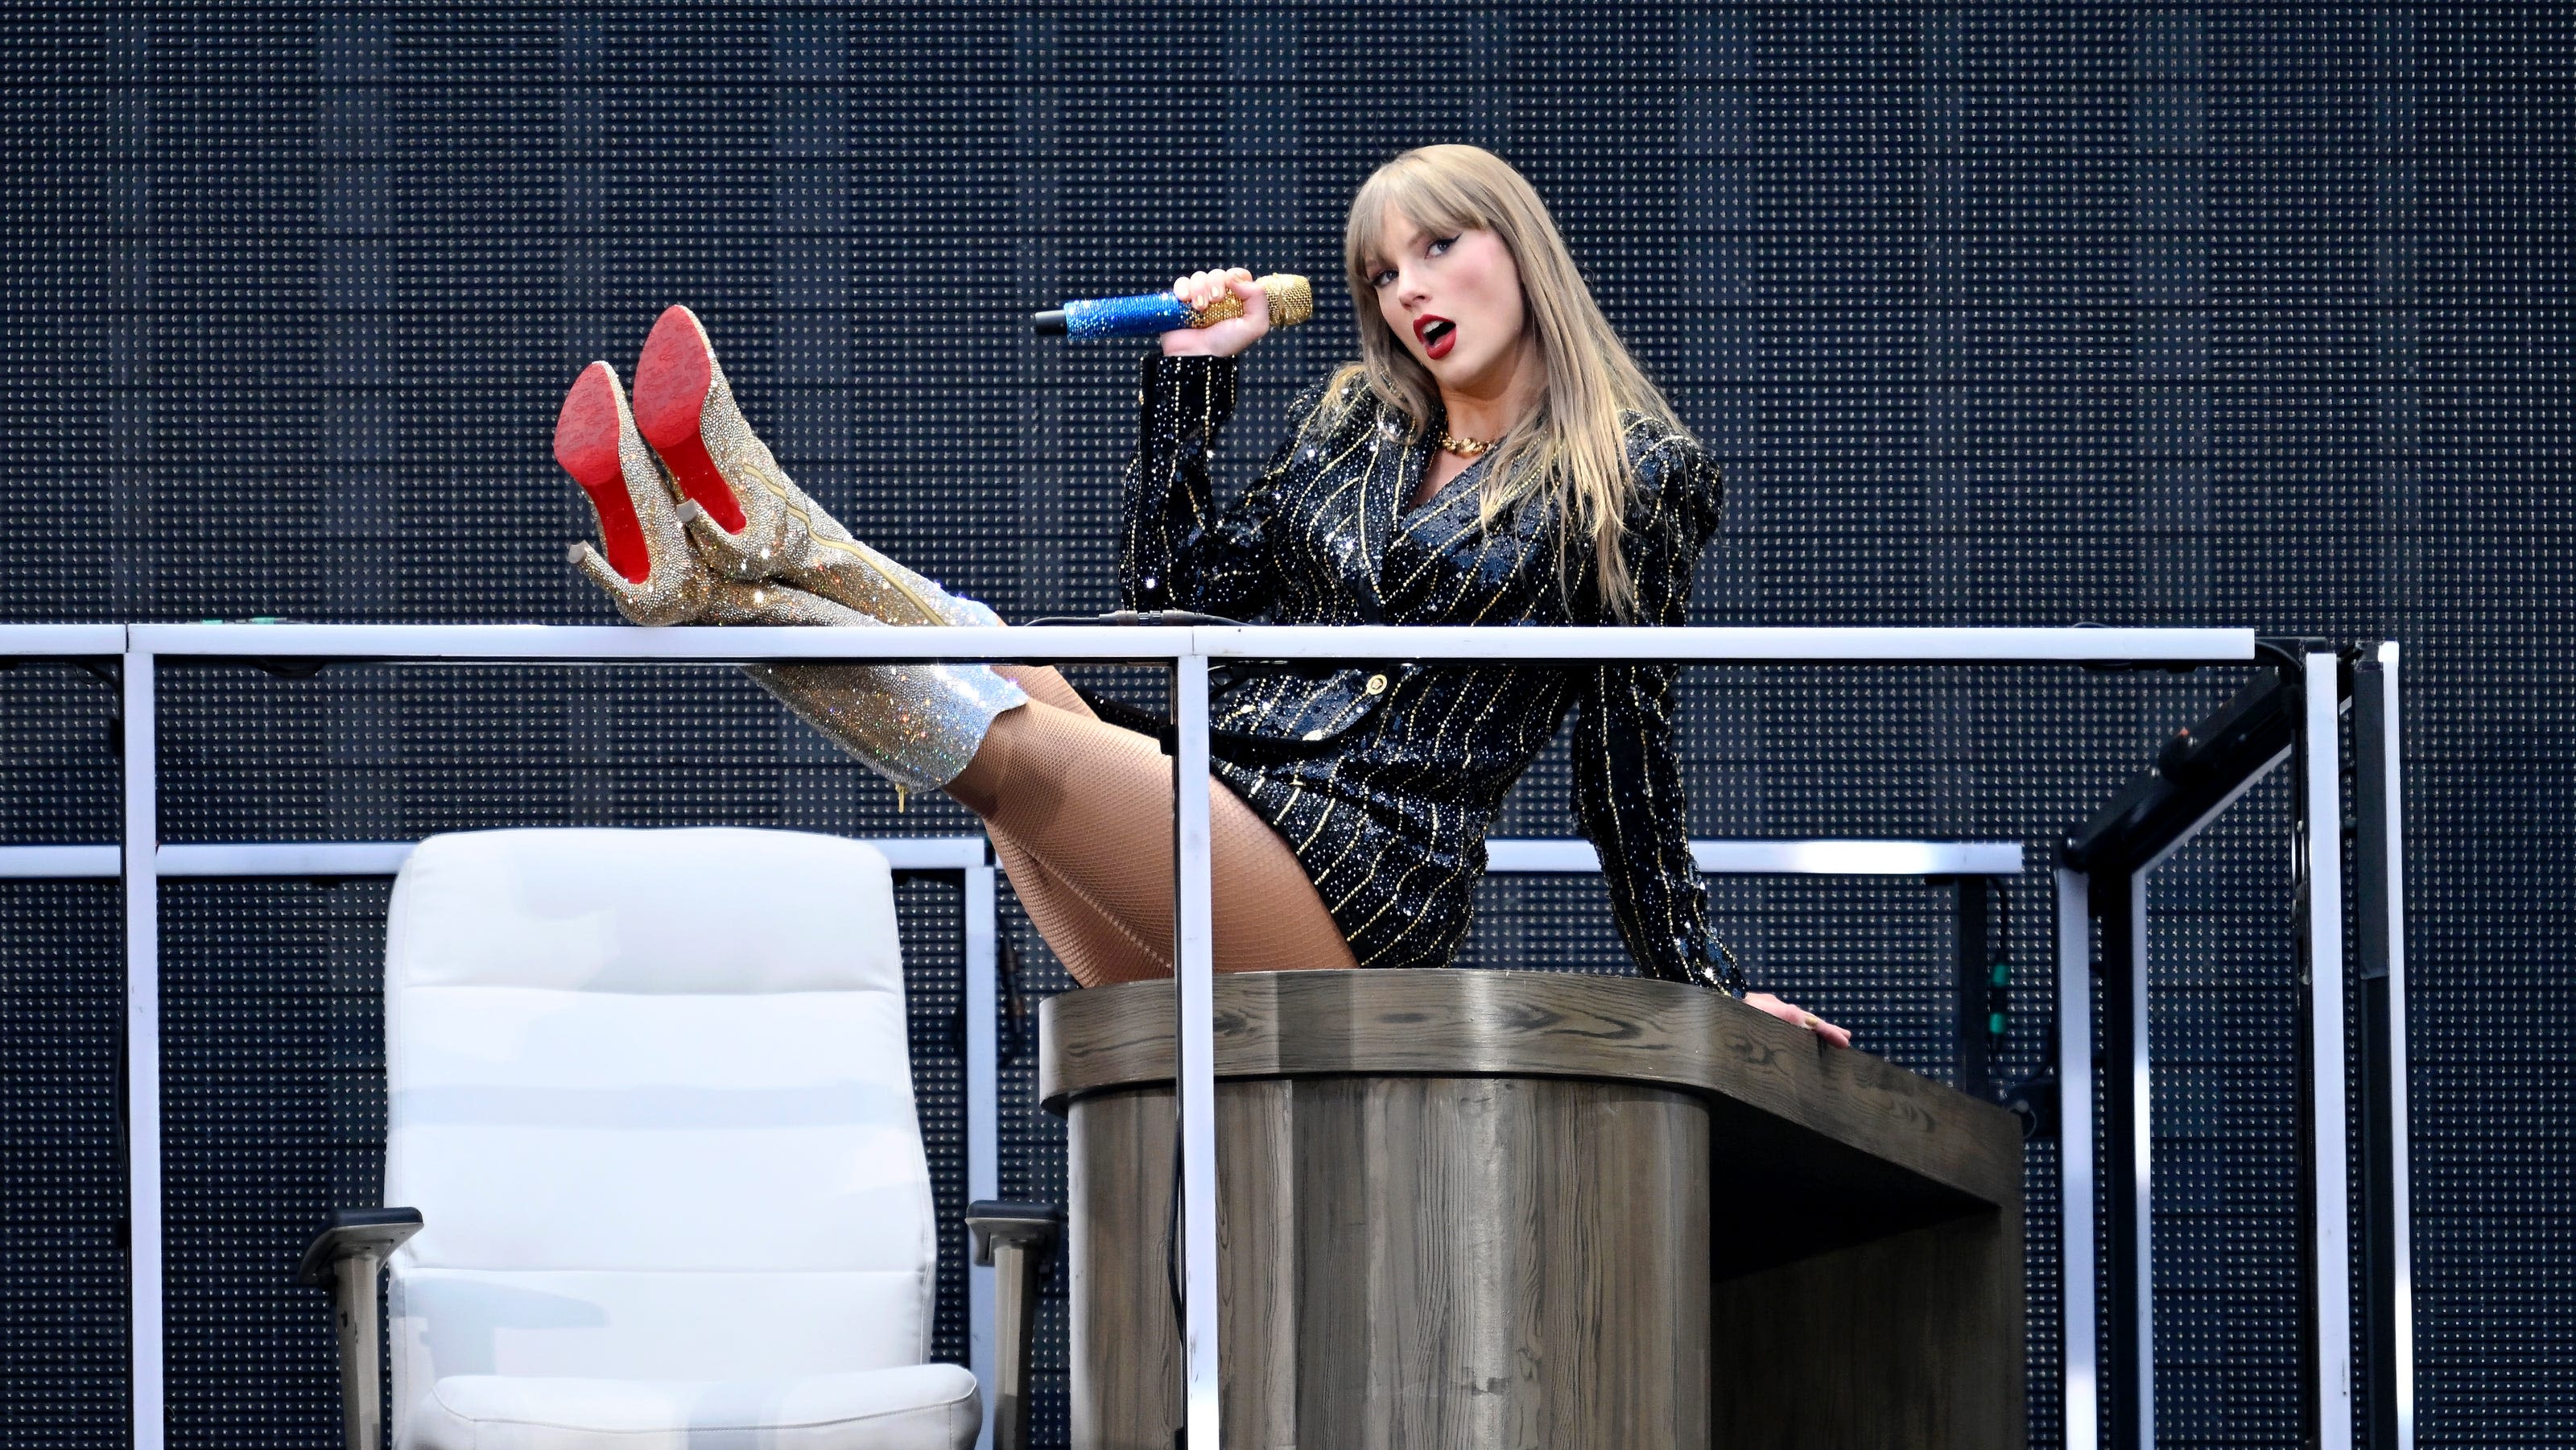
(1187, 652)
(2103, 872)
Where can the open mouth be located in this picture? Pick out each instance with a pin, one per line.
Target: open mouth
(1438, 335)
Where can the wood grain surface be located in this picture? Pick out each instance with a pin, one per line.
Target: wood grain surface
(1910, 1340)
(1406, 1263)
(1520, 1209)
(1547, 1024)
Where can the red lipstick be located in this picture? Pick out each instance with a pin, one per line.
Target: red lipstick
(1436, 334)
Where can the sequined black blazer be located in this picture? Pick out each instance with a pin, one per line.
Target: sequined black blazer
(1385, 775)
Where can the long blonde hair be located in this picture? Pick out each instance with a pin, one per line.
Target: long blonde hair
(1571, 449)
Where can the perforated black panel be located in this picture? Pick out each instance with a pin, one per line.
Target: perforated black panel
(63, 1298)
(2027, 313)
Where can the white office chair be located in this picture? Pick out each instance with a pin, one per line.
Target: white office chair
(650, 1118)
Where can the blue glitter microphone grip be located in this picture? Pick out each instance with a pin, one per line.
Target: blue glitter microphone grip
(1292, 301)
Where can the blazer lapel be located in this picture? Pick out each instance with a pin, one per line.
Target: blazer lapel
(1385, 482)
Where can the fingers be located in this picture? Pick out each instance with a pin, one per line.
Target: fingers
(1256, 303)
(1226, 338)
(1198, 289)
(1797, 1016)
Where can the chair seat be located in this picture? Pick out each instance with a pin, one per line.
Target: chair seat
(915, 1407)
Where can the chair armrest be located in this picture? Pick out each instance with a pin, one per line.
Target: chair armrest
(344, 1258)
(354, 1233)
(995, 1222)
(1018, 1239)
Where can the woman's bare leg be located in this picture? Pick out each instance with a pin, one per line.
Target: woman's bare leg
(1047, 687)
(1093, 945)
(1088, 808)
(1096, 948)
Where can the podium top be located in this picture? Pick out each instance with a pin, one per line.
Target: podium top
(1776, 1092)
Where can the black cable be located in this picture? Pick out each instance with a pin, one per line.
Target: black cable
(1148, 618)
(1015, 1007)
(1172, 1244)
(2131, 667)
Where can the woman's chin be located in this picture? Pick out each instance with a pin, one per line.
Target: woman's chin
(1461, 371)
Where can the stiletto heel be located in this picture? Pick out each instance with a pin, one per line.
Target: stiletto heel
(747, 518)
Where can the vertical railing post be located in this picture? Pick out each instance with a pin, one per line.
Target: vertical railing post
(2119, 899)
(2138, 1266)
(2379, 951)
(2080, 1376)
(983, 1116)
(2319, 755)
(1194, 962)
(149, 1397)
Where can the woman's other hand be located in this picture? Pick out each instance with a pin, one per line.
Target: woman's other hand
(1798, 1017)
(1226, 338)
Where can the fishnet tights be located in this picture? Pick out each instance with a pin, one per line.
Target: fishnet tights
(1080, 813)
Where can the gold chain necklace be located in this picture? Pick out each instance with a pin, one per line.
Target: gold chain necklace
(1463, 447)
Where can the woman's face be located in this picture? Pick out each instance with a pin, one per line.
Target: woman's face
(1454, 301)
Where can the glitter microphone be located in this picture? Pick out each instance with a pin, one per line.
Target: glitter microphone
(1292, 301)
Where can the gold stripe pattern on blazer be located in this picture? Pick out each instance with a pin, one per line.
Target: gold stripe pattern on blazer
(1385, 776)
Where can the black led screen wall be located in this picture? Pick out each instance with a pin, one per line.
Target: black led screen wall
(2013, 314)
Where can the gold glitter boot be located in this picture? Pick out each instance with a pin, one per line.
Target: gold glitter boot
(917, 725)
(748, 519)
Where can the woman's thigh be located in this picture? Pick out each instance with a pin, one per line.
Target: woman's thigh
(1089, 807)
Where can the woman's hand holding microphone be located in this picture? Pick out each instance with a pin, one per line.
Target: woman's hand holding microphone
(1220, 339)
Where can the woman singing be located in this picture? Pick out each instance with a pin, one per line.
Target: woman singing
(1495, 457)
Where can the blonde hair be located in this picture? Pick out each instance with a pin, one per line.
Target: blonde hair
(1571, 449)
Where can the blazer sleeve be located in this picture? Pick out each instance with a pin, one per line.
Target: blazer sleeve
(1627, 780)
(1181, 550)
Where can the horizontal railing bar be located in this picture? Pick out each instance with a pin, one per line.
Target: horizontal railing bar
(618, 643)
(61, 863)
(384, 858)
(1500, 645)
(283, 858)
(61, 641)
(1709, 644)
(1572, 856)
(368, 858)
(1779, 858)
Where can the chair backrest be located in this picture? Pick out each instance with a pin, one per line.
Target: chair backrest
(652, 1094)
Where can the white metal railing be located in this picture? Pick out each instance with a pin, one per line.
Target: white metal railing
(970, 857)
(1187, 652)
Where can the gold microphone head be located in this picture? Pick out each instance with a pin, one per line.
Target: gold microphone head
(1292, 298)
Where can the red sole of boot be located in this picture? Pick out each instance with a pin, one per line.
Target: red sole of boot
(672, 380)
(586, 446)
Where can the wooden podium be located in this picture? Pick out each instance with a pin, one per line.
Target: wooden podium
(1526, 1209)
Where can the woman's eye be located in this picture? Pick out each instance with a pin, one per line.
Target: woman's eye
(1443, 245)
(1382, 278)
